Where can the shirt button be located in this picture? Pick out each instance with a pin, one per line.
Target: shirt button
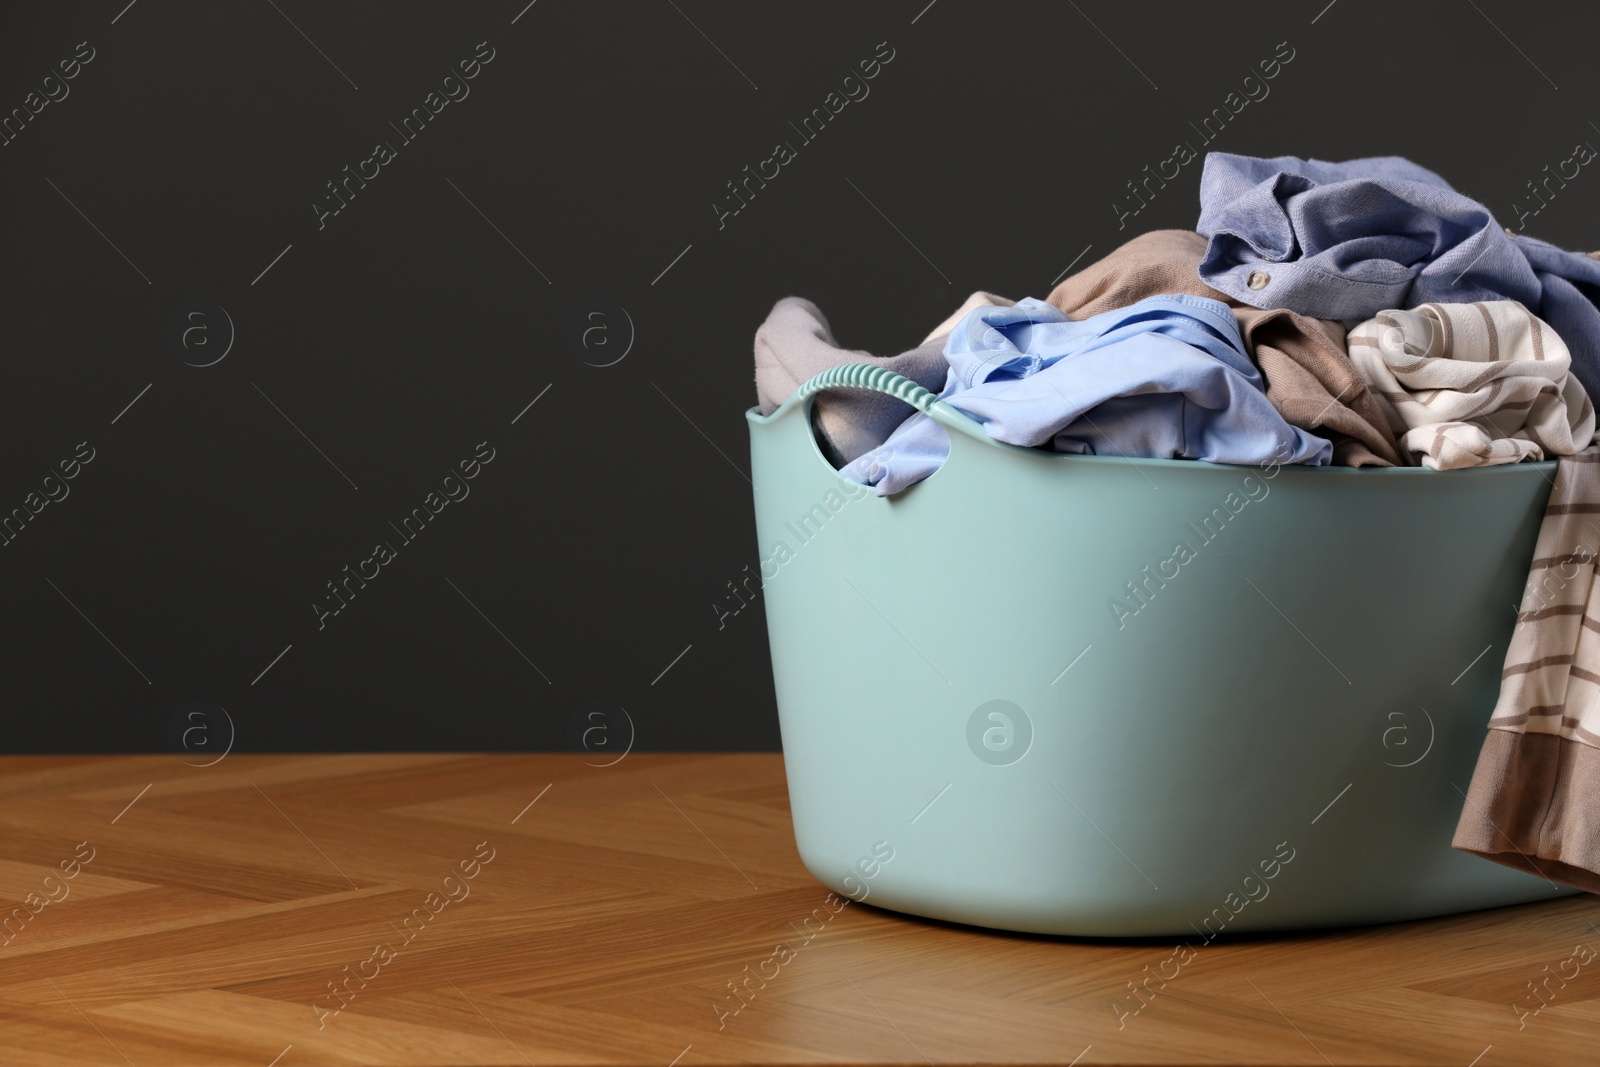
(1258, 279)
(1509, 231)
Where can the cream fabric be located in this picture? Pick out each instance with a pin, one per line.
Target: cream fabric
(972, 303)
(1466, 385)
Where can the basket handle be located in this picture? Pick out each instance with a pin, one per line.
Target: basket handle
(884, 380)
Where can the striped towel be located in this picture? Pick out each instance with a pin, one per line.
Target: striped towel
(1466, 385)
(1534, 801)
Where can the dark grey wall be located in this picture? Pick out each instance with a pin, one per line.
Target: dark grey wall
(173, 188)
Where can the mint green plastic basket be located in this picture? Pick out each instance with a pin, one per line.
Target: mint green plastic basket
(1276, 734)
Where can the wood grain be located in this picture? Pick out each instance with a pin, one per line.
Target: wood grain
(220, 904)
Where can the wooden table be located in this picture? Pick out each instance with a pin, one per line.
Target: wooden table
(468, 909)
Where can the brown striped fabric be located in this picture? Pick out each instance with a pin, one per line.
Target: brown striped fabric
(1534, 801)
(1468, 385)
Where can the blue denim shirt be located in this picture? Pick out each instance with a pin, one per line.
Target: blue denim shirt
(1348, 240)
(1167, 377)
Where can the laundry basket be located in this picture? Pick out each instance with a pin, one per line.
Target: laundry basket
(1007, 699)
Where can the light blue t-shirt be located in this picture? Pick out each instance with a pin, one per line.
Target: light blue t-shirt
(1167, 377)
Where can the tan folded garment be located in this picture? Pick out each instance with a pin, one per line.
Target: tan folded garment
(1309, 377)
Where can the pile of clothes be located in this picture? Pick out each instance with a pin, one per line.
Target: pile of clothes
(1361, 314)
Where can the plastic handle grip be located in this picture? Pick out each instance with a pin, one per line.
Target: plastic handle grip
(883, 380)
